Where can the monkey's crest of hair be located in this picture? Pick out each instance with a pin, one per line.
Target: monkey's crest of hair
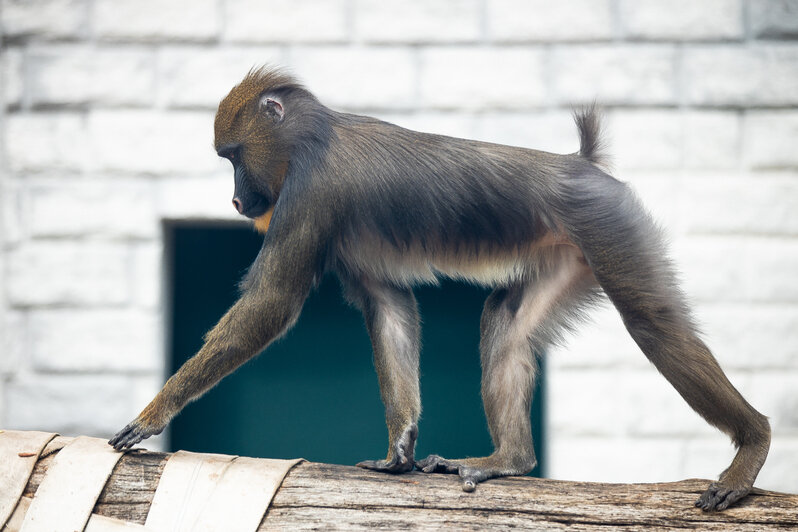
(257, 82)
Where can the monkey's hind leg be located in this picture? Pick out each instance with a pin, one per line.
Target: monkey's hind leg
(392, 320)
(629, 260)
(516, 322)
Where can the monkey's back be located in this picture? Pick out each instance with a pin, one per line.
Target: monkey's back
(416, 206)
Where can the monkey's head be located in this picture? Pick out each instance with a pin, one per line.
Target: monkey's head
(252, 132)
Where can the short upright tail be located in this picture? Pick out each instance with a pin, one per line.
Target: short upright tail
(591, 144)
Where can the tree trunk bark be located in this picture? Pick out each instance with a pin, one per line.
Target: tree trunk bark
(324, 496)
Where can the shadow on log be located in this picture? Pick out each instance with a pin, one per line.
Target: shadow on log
(322, 496)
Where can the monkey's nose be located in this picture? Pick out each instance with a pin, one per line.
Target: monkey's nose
(237, 205)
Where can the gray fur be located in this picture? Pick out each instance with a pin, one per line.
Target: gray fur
(386, 208)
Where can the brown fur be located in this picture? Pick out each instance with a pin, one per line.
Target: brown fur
(385, 208)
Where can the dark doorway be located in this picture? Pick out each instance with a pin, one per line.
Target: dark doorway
(314, 393)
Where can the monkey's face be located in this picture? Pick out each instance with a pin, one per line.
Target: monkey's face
(247, 199)
(247, 135)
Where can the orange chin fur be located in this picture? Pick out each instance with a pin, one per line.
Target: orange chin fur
(262, 222)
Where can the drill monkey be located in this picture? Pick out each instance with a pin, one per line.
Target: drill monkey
(386, 208)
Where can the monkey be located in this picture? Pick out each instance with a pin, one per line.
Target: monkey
(385, 209)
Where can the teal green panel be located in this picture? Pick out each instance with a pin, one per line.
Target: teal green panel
(314, 392)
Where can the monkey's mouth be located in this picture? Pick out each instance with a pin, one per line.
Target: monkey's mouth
(256, 209)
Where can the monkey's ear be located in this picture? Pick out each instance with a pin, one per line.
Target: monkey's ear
(272, 106)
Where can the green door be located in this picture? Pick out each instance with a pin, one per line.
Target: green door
(314, 393)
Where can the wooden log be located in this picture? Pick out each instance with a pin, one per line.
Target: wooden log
(323, 496)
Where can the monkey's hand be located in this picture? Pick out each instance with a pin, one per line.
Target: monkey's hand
(145, 425)
(722, 494)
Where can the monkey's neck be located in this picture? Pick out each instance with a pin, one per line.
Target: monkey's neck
(262, 222)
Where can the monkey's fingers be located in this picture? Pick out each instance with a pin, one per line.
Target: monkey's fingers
(129, 436)
(720, 496)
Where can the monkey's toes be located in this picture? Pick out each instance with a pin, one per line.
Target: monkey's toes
(437, 464)
(719, 497)
(394, 466)
(471, 477)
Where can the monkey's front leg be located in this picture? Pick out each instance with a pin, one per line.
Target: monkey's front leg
(392, 320)
(254, 320)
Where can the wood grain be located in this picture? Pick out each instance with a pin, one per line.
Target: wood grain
(332, 497)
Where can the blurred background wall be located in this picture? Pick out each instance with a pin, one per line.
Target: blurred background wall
(106, 131)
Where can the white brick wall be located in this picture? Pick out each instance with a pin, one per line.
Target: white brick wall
(106, 129)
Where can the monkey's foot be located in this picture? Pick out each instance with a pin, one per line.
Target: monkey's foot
(133, 433)
(472, 471)
(720, 495)
(400, 456)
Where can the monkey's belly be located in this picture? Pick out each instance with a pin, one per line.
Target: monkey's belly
(486, 265)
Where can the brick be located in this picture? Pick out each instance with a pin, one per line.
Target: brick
(773, 394)
(95, 340)
(681, 19)
(614, 75)
(761, 204)
(417, 21)
(613, 459)
(706, 457)
(11, 64)
(772, 264)
(358, 78)
(49, 19)
(116, 208)
(591, 403)
(452, 124)
(2, 403)
(191, 78)
(773, 19)
(148, 274)
(81, 74)
(144, 389)
(542, 21)
(752, 337)
(68, 404)
(455, 78)
(153, 20)
(11, 213)
(711, 140)
(661, 195)
(297, 21)
(552, 131)
(645, 139)
(770, 139)
(745, 76)
(13, 341)
(738, 269)
(713, 269)
(778, 472)
(602, 342)
(68, 273)
(151, 142)
(203, 198)
(36, 142)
